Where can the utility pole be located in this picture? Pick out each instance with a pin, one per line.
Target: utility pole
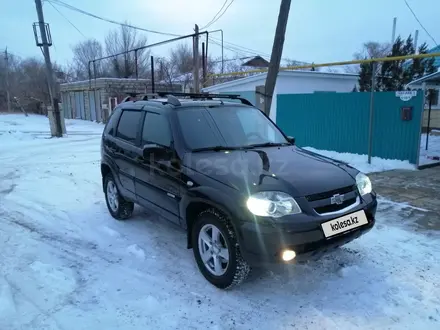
(56, 127)
(196, 60)
(277, 51)
(8, 96)
(416, 38)
(393, 34)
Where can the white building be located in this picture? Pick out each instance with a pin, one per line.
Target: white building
(288, 82)
(429, 82)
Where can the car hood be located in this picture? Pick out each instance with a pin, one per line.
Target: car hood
(290, 169)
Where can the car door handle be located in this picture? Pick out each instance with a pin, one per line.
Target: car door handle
(140, 159)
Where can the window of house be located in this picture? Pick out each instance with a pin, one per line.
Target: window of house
(435, 94)
(128, 125)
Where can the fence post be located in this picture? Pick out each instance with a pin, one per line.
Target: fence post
(370, 131)
(430, 96)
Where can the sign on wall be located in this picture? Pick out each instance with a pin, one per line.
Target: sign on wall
(406, 95)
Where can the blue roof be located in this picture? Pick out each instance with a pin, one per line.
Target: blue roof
(431, 51)
(437, 59)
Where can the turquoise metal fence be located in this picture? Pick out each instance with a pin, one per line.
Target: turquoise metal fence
(340, 122)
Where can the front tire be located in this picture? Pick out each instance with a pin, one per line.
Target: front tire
(118, 207)
(217, 251)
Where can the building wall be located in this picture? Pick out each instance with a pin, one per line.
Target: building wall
(291, 83)
(434, 120)
(90, 100)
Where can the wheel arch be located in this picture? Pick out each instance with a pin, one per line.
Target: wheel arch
(210, 199)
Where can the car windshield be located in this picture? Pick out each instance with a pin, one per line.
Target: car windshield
(227, 127)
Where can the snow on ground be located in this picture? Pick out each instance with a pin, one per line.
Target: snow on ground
(66, 264)
(433, 149)
(361, 161)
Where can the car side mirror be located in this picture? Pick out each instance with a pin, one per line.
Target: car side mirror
(291, 139)
(156, 151)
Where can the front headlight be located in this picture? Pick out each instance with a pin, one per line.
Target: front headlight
(272, 204)
(364, 184)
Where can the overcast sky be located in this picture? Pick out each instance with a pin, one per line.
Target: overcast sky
(318, 30)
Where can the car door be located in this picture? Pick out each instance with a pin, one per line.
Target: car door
(125, 147)
(158, 179)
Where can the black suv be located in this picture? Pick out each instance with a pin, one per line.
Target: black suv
(222, 170)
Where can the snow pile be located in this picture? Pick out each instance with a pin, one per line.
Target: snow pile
(361, 161)
(66, 264)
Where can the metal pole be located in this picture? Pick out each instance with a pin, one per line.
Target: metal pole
(393, 34)
(370, 131)
(90, 74)
(136, 63)
(196, 60)
(430, 96)
(277, 51)
(8, 96)
(416, 38)
(203, 65)
(223, 59)
(152, 75)
(49, 69)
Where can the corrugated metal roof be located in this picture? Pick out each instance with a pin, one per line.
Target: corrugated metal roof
(437, 59)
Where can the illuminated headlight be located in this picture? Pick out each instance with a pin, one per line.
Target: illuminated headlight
(272, 204)
(364, 184)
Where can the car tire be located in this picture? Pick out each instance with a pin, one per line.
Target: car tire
(234, 270)
(118, 207)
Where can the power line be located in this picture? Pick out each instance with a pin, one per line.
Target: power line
(63, 4)
(232, 49)
(216, 19)
(245, 49)
(210, 22)
(67, 19)
(417, 19)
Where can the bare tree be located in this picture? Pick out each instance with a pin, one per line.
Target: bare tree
(86, 51)
(370, 49)
(182, 58)
(122, 40)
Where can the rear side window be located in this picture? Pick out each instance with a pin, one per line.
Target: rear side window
(156, 130)
(112, 122)
(128, 125)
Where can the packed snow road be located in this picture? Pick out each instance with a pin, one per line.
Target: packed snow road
(66, 264)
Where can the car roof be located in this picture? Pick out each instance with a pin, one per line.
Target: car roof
(164, 104)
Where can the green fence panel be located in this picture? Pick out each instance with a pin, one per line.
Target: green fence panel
(340, 122)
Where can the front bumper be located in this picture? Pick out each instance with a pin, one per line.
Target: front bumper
(264, 243)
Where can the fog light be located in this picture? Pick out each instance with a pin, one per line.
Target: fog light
(288, 255)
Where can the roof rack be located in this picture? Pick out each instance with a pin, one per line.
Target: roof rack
(173, 100)
(205, 96)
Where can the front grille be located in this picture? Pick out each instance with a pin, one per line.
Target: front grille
(335, 207)
(329, 194)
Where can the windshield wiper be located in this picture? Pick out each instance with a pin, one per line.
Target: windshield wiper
(215, 148)
(266, 144)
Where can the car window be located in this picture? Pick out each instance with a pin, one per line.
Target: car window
(128, 125)
(112, 121)
(231, 126)
(194, 124)
(156, 130)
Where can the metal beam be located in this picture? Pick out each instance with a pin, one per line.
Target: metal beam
(309, 66)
